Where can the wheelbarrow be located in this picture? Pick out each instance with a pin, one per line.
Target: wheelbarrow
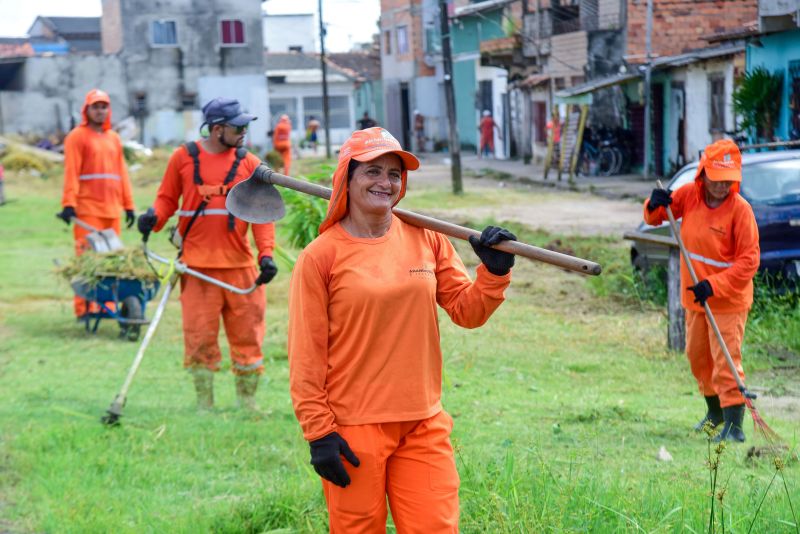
(121, 299)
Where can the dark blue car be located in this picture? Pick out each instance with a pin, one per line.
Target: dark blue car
(771, 184)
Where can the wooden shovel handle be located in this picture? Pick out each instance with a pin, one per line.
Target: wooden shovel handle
(519, 248)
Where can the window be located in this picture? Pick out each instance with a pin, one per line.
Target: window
(284, 106)
(717, 112)
(164, 33)
(402, 39)
(189, 100)
(387, 43)
(338, 107)
(231, 33)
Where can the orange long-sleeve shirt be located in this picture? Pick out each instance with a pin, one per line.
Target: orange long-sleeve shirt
(723, 245)
(282, 135)
(96, 179)
(210, 243)
(363, 328)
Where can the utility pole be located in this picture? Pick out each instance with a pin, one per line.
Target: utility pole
(647, 100)
(326, 112)
(450, 99)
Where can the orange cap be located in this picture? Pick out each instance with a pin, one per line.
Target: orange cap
(92, 97)
(722, 162)
(364, 145)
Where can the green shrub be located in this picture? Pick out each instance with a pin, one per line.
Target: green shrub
(16, 160)
(304, 213)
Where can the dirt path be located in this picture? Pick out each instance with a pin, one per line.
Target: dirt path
(554, 211)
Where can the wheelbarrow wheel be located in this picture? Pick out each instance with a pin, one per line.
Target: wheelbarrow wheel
(131, 308)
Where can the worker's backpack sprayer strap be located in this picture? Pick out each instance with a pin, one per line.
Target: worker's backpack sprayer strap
(209, 191)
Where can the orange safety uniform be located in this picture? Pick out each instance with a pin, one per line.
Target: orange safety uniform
(282, 138)
(214, 248)
(365, 361)
(96, 179)
(723, 245)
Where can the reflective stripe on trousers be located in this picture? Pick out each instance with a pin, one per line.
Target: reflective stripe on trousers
(190, 213)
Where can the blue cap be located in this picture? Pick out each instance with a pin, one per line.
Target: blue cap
(226, 111)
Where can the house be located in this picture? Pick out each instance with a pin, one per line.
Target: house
(776, 46)
(290, 32)
(295, 84)
(179, 55)
(364, 67)
(65, 35)
(411, 71)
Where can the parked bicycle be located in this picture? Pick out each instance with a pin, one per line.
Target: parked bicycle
(605, 152)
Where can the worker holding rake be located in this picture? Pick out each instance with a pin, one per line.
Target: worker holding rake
(365, 362)
(214, 242)
(720, 234)
(96, 184)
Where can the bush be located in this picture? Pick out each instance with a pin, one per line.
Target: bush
(15, 160)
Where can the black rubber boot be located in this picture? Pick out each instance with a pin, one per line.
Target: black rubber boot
(732, 430)
(713, 415)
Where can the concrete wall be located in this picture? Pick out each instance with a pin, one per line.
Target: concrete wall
(284, 31)
(569, 55)
(55, 88)
(433, 108)
(777, 52)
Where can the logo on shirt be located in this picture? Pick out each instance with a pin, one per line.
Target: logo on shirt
(424, 272)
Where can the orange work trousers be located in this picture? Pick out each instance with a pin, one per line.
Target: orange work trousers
(202, 306)
(411, 462)
(82, 306)
(286, 155)
(706, 358)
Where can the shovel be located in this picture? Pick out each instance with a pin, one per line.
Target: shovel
(256, 200)
(100, 240)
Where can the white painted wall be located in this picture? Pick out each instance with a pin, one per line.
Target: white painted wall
(298, 91)
(698, 103)
(283, 31)
(250, 90)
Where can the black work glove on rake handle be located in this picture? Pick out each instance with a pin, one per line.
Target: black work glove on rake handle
(659, 197)
(66, 214)
(325, 457)
(496, 261)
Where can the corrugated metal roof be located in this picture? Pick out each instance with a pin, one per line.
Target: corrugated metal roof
(472, 9)
(73, 25)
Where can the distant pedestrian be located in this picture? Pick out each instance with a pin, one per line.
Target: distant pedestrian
(311, 132)
(2, 189)
(419, 130)
(366, 122)
(282, 141)
(487, 127)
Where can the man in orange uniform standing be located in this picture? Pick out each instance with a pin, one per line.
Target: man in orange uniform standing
(282, 138)
(198, 177)
(721, 236)
(96, 183)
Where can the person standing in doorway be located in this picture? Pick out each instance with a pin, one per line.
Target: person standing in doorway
(96, 184)
(486, 128)
(419, 130)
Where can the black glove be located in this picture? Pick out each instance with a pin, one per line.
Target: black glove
(701, 291)
(659, 197)
(326, 461)
(130, 218)
(268, 270)
(147, 221)
(66, 214)
(496, 261)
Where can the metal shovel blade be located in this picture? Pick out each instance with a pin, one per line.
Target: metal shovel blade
(104, 241)
(256, 200)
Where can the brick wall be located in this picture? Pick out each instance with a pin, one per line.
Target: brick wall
(679, 25)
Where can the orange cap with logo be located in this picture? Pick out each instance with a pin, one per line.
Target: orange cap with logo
(364, 145)
(722, 162)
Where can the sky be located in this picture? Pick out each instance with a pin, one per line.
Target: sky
(348, 21)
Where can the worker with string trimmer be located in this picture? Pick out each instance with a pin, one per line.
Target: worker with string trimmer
(215, 243)
(720, 238)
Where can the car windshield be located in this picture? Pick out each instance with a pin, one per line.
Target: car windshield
(772, 182)
(769, 182)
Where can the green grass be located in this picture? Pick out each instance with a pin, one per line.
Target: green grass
(561, 402)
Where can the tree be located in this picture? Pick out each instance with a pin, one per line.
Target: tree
(757, 101)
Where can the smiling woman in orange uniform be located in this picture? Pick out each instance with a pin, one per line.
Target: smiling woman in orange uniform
(721, 236)
(364, 355)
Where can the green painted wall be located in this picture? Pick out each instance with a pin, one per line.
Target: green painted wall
(465, 86)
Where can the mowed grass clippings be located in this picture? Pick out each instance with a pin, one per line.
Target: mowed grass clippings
(560, 402)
